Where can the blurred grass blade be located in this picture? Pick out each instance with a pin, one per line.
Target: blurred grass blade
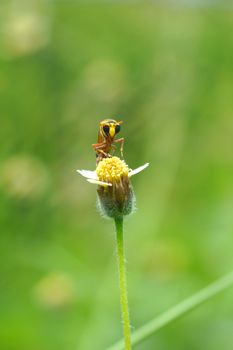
(179, 310)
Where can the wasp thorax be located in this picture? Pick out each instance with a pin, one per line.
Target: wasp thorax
(116, 200)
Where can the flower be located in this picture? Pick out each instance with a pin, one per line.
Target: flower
(115, 193)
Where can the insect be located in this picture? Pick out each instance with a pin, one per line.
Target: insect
(108, 129)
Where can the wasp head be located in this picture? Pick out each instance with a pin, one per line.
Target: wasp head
(110, 127)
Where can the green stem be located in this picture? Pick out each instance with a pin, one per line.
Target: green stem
(179, 310)
(122, 282)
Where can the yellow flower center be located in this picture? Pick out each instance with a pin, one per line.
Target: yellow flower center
(112, 169)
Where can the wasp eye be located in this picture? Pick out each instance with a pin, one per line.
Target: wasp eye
(118, 128)
(106, 129)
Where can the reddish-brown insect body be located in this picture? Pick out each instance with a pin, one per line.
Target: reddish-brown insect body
(108, 129)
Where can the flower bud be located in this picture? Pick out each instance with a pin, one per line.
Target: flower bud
(117, 199)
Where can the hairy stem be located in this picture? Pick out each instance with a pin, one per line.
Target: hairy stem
(122, 282)
(178, 310)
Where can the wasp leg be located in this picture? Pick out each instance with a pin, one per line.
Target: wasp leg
(99, 151)
(107, 155)
(98, 146)
(100, 155)
(122, 140)
(113, 148)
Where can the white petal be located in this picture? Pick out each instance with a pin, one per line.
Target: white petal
(88, 174)
(97, 182)
(137, 170)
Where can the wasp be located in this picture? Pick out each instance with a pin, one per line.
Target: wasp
(108, 128)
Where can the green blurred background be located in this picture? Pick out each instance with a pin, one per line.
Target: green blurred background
(167, 72)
